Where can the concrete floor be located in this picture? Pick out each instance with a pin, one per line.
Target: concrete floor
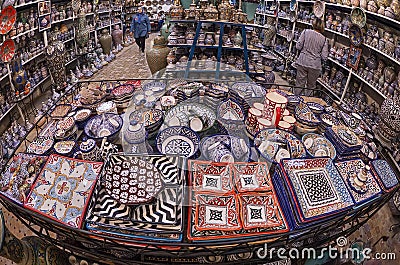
(130, 64)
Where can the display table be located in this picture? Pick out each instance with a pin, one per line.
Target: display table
(206, 188)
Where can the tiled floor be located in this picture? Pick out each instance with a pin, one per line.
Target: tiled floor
(130, 64)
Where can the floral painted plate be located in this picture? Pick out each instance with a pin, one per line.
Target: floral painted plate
(7, 50)
(8, 16)
(123, 90)
(178, 140)
(355, 35)
(130, 180)
(60, 111)
(64, 147)
(216, 212)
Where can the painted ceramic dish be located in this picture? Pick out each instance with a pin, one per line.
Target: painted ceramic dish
(318, 146)
(346, 135)
(105, 107)
(64, 147)
(155, 87)
(63, 189)
(131, 180)
(216, 212)
(182, 114)
(252, 177)
(66, 124)
(328, 119)
(355, 35)
(19, 175)
(249, 90)
(269, 142)
(238, 147)
(212, 177)
(40, 145)
(362, 188)
(60, 111)
(259, 210)
(105, 125)
(178, 140)
(230, 110)
(305, 115)
(313, 200)
(123, 90)
(8, 16)
(82, 115)
(7, 50)
(151, 118)
(385, 174)
(358, 17)
(315, 107)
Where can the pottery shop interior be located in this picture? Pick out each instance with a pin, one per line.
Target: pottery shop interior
(259, 132)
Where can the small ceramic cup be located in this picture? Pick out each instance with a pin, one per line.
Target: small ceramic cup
(252, 117)
(263, 124)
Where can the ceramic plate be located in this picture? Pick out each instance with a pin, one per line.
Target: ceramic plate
(8, 16)
(238, 147)
(385, 174)
(63, 188)
(260, 210)
(346, 135)
(131, 180)
(252, 177)
(318, 146)
(212, 177)
(66, 124)
(82, 114)
(316, 186)
(328, 119)
(178, 140)
(64, 147)
(358, 17)
(7, 50)
(40, 145)
(305, 115)
(217, 212)
(319, 9)
(123, 90)
(106, 107)
(182, 114)
(349, 171)
(355, 35)
(269, 142)
(61, 111)
(17, 178)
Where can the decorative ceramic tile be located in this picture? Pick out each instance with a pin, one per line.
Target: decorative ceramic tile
(252, 177)
(260, 210)
(63, 188)
(131, 180)
(210, 176)
(385, 174)
(317, 186)
(215, 212)
(362, 188)
(18, 177)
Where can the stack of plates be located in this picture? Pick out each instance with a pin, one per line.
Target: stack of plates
(345, 141)
(122, 94)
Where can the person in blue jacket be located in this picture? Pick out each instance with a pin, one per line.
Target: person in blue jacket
(141, 28)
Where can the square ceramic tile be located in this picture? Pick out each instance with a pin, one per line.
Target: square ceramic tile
(212, 177)
(385, 174)
(316, 186)
(251, 177)
(215, 212)
(260, 210)
(63, 188)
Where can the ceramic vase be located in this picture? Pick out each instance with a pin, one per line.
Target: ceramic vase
(157, 56)
(106, 41)
(389, 125)
(55, 56)
(82, 34)
(117, 36)
(20, 78)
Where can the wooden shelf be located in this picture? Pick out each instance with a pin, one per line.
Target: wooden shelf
(8, 111)
(63, 20)
(370, 85)
(382, 53)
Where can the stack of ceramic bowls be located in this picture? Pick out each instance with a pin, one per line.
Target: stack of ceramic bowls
(316, 107)
(345, 140)
(293, 101)
(307, 121)
(152, 119)
(122, 95)
(66, 129)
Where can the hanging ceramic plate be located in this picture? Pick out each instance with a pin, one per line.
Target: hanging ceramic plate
(319, 9)
(293, 5)
(355, 35)
(358, 17)
(7, 51)
(8, 17)
(7, 3)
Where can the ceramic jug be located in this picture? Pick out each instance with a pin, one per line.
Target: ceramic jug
(106, 41)
(157, 56)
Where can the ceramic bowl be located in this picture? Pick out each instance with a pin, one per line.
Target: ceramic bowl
(106, 125)
(65, 148)
(238, 147)
(305, 115)
(317, 145)
(66, 124)
(41, 146)
(152, 118)
(156, 87)
(315, 107)
(178, 140)
(123, 90)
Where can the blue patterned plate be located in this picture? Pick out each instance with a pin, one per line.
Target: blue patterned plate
(178, 140)
(240, 149)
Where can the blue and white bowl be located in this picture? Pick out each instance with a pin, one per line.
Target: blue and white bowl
(178, 140)
(101, 126)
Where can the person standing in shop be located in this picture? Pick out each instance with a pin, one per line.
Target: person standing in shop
(313, 47)
(141, 28)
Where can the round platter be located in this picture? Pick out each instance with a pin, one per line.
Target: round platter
(318, 146)
(7, 50)
(8, 16)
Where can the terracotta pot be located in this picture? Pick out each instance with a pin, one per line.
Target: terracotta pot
(157, 56)
(106, 41)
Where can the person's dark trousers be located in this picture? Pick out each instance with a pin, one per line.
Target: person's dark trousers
(141, 41)
(160, 24)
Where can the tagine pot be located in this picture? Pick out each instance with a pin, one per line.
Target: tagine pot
(157, 56)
